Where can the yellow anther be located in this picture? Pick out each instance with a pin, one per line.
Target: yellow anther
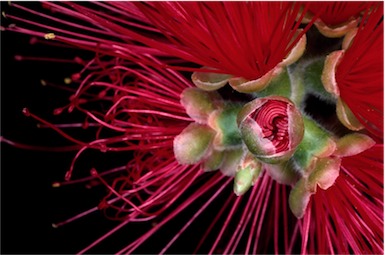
(67, 80)
(49, 36)
(43, 82)
(56, 185)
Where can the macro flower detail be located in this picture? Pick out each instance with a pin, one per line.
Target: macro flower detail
(261, 121)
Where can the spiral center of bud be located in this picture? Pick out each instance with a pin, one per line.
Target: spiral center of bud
(273, 119)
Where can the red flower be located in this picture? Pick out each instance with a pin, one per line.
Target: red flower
(139, 89)
(359, 74)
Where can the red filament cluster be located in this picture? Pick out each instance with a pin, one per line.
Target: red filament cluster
(273, 120)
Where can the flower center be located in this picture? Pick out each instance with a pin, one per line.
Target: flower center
(273, 120)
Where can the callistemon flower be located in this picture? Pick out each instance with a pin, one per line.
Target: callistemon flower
(285, 167)
(354, 75)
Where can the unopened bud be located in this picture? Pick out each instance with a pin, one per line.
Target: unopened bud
(271, 127)
(248, 172)
(193, 144)
(199, 104)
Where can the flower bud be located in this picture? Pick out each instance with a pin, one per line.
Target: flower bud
(271, 127)
(193, 144)
(248, 172)
(199, 104)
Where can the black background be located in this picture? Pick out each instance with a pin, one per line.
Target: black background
(29, 203)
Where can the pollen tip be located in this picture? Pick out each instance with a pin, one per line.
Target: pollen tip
(67, 80)
(26, 112)
(18, 57)
(56, 184)
(54, 225)
(3, 14)
(93, 172)
(43, 82)
(49, 36)
(67, 176)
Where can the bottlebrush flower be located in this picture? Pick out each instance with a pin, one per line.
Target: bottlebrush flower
(356, 75)
(324, 197)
